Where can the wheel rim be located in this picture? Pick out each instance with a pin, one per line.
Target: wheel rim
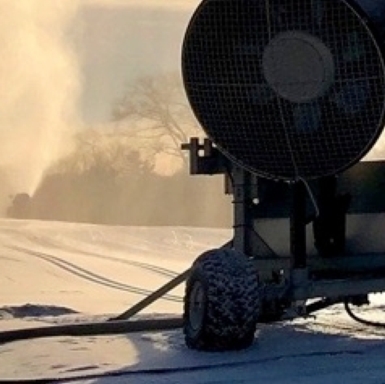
(197, 306)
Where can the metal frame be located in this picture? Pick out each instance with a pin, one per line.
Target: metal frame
(317, 210)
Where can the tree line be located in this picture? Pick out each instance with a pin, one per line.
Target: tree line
(134, 172)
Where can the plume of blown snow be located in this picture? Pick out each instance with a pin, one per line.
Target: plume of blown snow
(39, 88)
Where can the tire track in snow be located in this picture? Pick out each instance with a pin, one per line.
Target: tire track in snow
(149, 267)
(90, 276)
(146, 266)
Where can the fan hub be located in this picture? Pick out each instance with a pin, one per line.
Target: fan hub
(298, 66)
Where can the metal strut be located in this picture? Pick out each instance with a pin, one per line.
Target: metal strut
(298, 226)
(153, 297)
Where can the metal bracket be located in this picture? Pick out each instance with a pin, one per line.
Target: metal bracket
(205, 158)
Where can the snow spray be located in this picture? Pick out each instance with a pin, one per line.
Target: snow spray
(39, 90)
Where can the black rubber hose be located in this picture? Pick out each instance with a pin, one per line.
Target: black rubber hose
(91, 329)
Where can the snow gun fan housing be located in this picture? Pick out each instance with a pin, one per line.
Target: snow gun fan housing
(288, 89)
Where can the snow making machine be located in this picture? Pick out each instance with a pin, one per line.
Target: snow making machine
(291, 96)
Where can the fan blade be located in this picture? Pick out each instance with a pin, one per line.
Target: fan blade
(307, 118)
(352, 97)
(355, 49)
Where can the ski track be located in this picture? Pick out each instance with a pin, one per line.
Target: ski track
(90, 276)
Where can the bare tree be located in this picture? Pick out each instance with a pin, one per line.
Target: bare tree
(103, 150)
(155, 109)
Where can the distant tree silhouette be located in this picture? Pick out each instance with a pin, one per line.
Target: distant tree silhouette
(20, 207)
(155, 109)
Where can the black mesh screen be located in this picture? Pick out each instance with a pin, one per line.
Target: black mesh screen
(285, 88)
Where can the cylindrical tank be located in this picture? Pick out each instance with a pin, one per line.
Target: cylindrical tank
(288, 89)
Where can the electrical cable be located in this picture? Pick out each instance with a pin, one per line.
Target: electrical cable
(312, 197)
(359, 319)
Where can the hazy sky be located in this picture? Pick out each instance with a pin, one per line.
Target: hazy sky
(65, 62)
(144, 3)
(120, 40)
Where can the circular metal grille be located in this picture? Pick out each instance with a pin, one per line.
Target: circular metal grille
(286, 88)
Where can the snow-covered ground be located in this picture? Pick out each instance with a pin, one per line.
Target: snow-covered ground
(54, 273)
